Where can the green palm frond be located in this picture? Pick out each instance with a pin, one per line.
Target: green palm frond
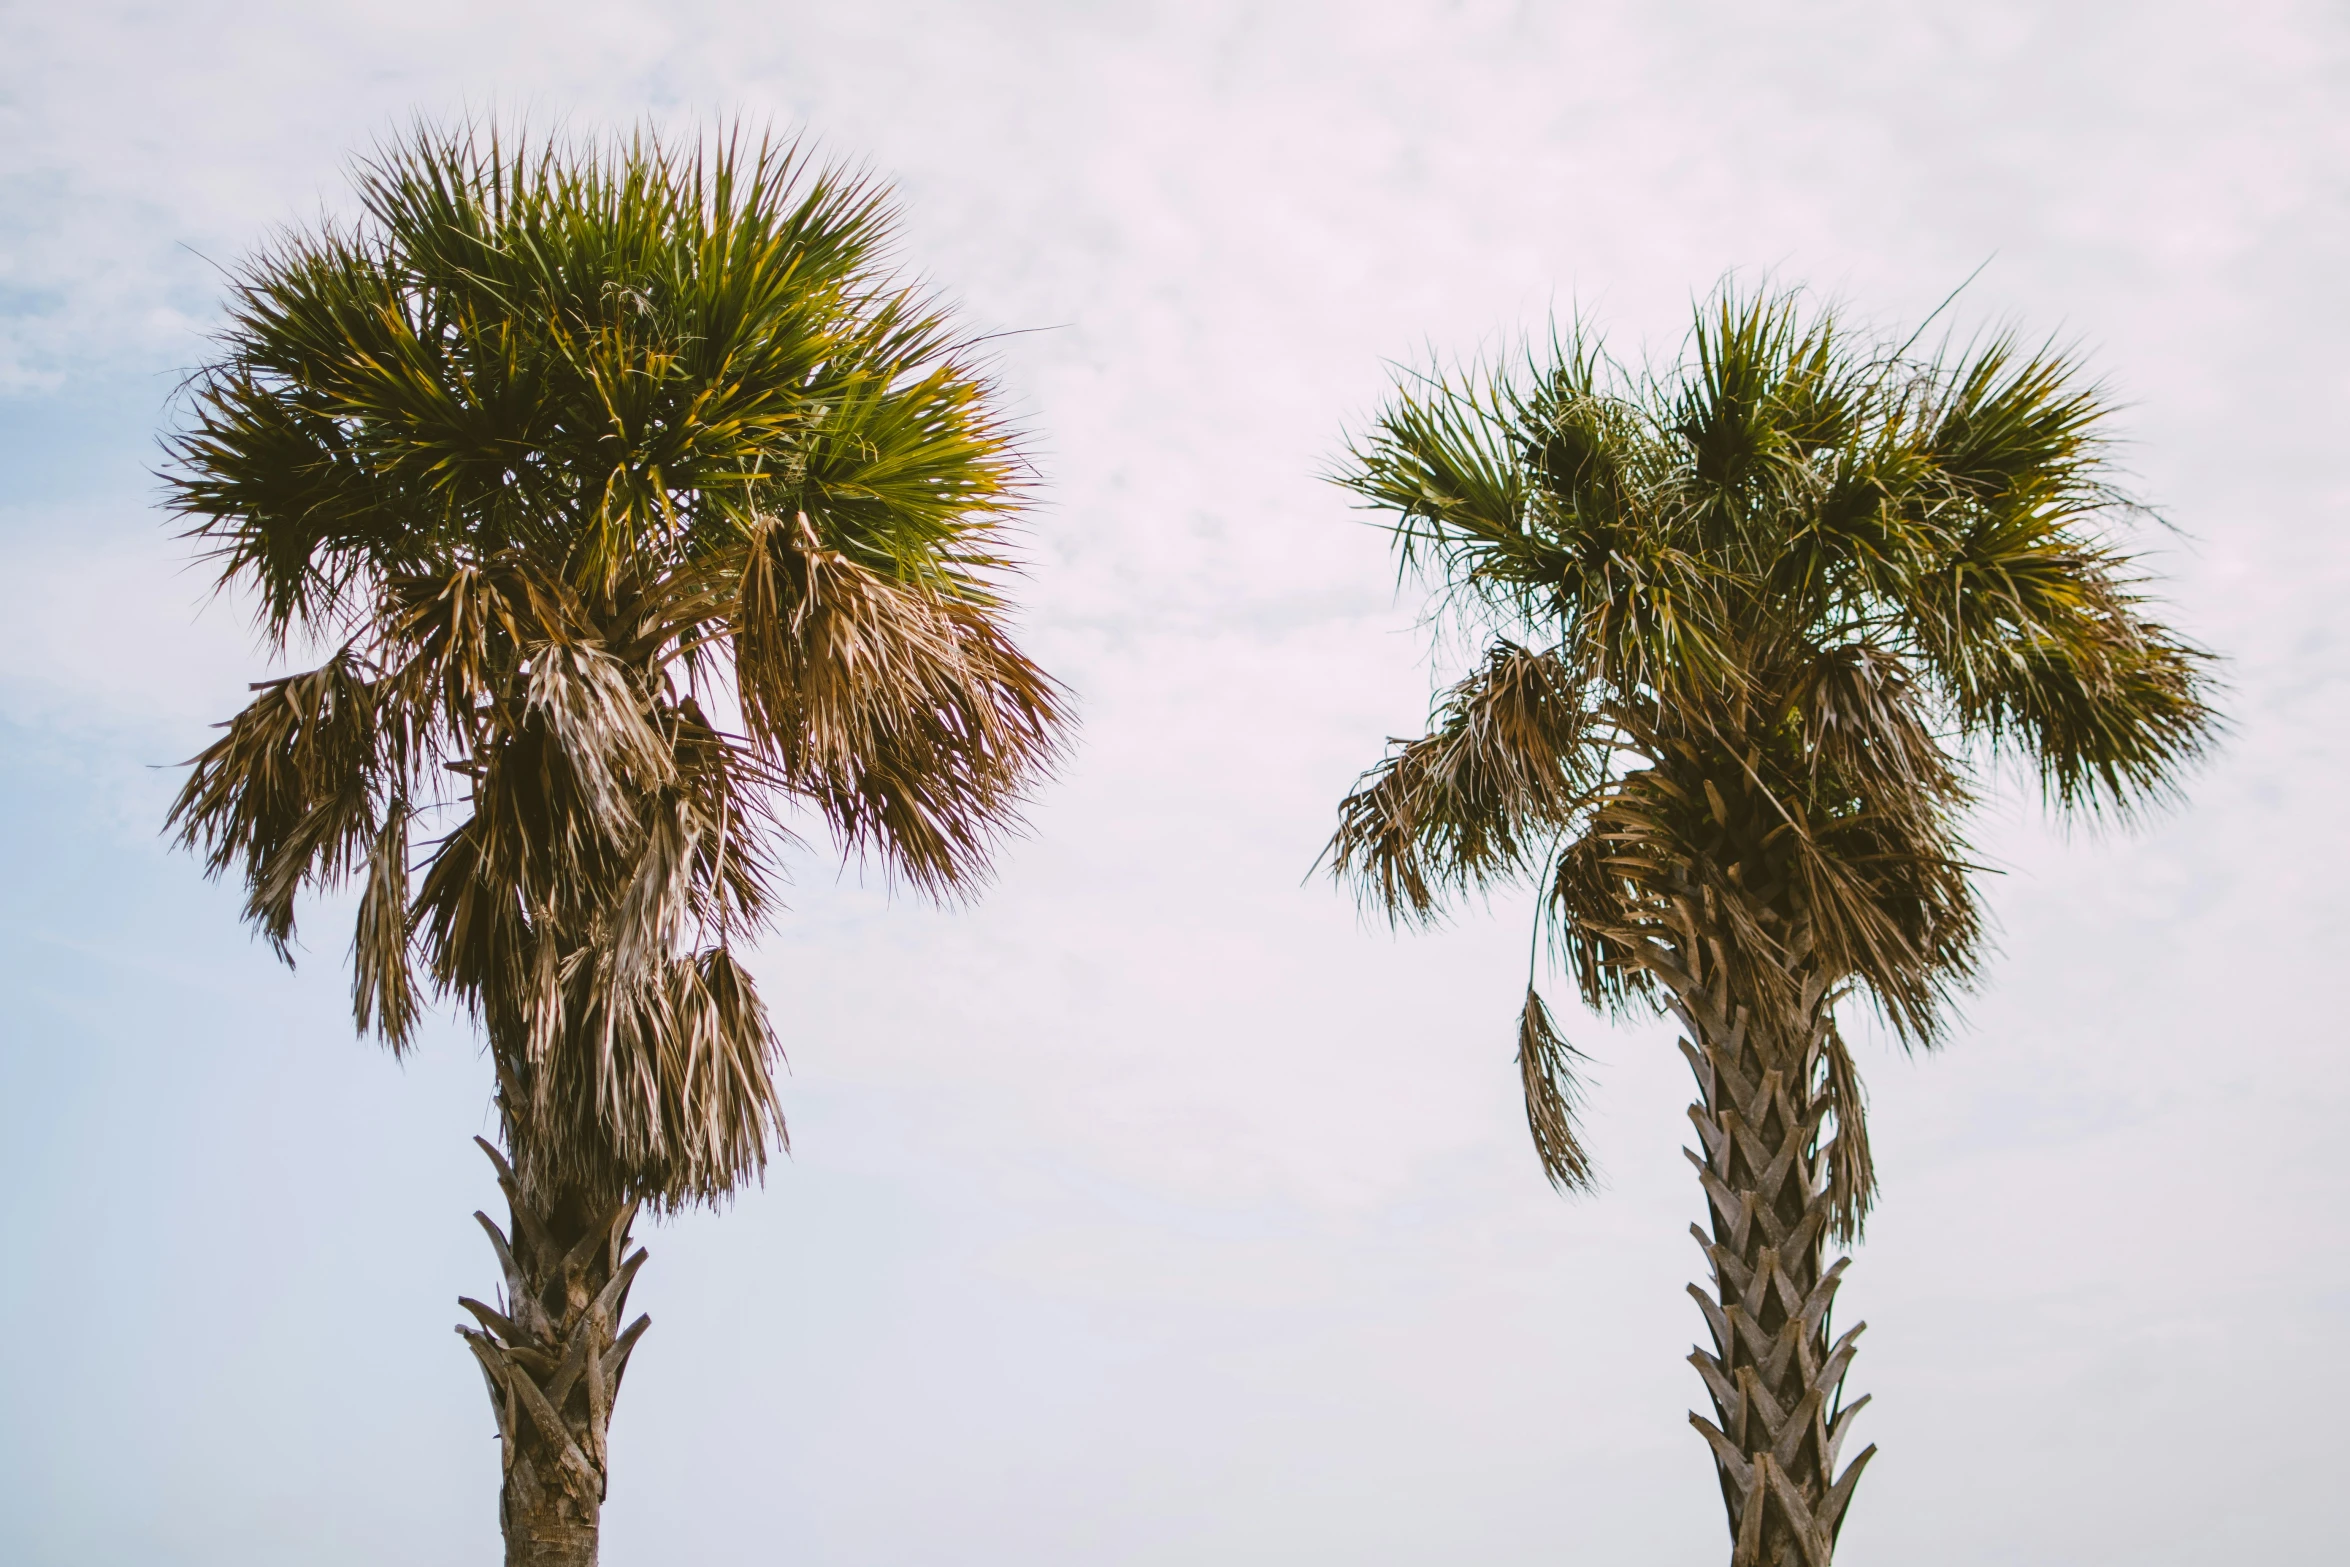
(1444, 459)
(2031, 621)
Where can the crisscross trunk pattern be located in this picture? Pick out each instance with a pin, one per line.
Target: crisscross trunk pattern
(553, 1361)
(1775, 1375)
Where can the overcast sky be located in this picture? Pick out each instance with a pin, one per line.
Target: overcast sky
(1157, 1211)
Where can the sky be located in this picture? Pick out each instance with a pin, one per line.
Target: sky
(1158, 1209)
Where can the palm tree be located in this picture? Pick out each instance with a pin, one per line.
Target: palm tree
(634, 506)
(1757, 625)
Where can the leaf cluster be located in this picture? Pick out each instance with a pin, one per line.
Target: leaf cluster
(643, 505)
(1755, 620)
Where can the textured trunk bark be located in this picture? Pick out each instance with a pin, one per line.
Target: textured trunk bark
(1775, 1374)
(548, 1528)
(553, 1363)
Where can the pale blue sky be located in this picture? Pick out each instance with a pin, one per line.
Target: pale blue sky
(1156, 1212)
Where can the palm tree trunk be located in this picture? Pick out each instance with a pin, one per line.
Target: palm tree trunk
(553, 1363)
(1775, 1375)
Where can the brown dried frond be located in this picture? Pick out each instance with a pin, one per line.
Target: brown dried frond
(1509, 759)
(1852, 1170)
(665, 1088)
(902, 711)
(1864, 725)
(287, 795)
(1546, 1071)
(383, 981)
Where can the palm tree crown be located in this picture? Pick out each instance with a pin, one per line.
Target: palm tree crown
(1753, 619)
(640, 506)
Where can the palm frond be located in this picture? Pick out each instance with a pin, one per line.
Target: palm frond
(671, 1078)
(383, 981)
(287, 796)
(1852, 1168)
(1444, 459)
(1546, 1071)
(2048, 656)
(902, 712)
(1511, 756)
